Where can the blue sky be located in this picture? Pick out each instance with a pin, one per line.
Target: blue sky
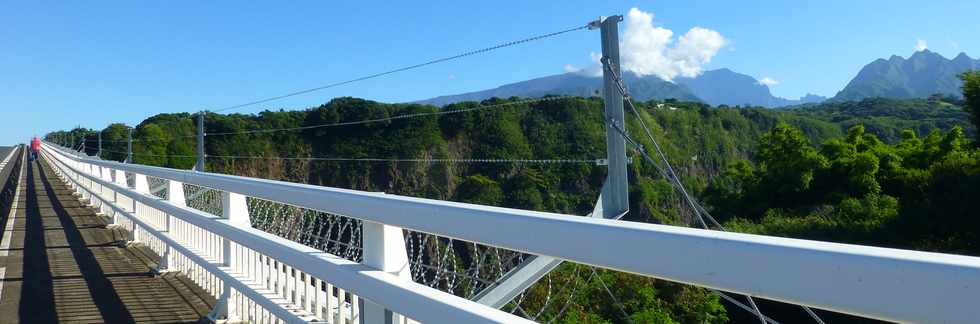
(87, 63)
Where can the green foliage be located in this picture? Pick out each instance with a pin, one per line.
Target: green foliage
(787, 163)
(971, 91)
(77, 138)
(152, 145)
(114, 142)
(887, 118)
(478, 189)
(872, 179)
(641, 299)
(911, 194)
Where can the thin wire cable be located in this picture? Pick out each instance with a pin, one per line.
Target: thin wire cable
(168, 139)
(575, 287)
(410, 67)
(762, 319)
(622, 309)
(813, 315)
(639, 148)
(376, 120)
(671, 175)
(160, 124)
(152, 155)
(696, 206)
(243, 157)
(738, 303)
(528, 161)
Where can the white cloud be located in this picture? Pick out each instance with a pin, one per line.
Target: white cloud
(767, 81)
(920, 45)
(651, 50)
(593, 70)
(595, 57)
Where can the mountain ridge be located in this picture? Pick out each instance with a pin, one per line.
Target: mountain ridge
(921, 75)
(715, 87)
(570, 84)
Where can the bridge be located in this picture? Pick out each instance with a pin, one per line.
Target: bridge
(92, 240)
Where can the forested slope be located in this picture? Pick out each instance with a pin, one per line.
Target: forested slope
(419, 153)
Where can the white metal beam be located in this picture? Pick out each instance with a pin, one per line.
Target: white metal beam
(888, 284)
(402, 296)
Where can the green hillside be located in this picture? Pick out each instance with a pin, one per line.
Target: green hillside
(710, 147)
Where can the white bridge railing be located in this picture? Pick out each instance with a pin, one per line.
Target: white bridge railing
(261, 277)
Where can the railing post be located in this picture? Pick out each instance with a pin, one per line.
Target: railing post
(175, 195)
(80, 176)
(140, 185)
(120, 179)
(129, 146)
(88, 168)
(107, 176)
(98, 172)
(384, 249)
(234, 208)
(95, 172)
(200, 142)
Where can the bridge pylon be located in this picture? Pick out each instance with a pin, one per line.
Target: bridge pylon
(613, 201)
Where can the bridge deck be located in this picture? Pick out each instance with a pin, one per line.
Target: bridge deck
(60, 263)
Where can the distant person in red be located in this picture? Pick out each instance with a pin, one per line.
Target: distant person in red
(35, 147)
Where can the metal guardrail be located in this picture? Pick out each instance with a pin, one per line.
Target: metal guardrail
(283, 281)
(881, 283)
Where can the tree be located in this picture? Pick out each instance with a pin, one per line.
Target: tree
(152, 148)
(971, 91)
(889, 172)
(787, 163)
(478, 189)
(114, 142)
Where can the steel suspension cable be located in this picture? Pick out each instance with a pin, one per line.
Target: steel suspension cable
(671, 175)
(410, 67)
(622, 309)
(738, 303)
(376, 120)
(639, 148)
(697, 207)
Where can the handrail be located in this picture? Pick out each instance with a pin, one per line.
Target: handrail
(414, 300)
(888, 284)
(212, 268)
